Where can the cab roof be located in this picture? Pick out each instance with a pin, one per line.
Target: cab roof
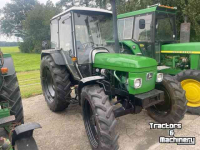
(160, 8)
(83, 9)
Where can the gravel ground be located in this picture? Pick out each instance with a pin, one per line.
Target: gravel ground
(65, 130)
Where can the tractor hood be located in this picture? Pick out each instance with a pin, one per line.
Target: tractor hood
(123, 62)
(188, 48)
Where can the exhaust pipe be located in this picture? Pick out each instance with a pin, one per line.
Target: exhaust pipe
(114, 11)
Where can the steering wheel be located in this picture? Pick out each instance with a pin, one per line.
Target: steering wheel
(88, 44)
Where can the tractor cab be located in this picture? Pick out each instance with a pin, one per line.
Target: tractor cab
(79, 31)
(148, 29)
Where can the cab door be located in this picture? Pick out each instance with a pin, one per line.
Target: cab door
(143, 34)
(66, 43)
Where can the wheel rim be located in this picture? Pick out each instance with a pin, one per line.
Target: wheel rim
(192, 88)
(48, 83)
(163, 108)
(90, 124)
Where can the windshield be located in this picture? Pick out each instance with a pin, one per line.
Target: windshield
(165, 27)
(92, 31)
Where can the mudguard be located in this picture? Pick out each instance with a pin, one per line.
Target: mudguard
(85, 81)
(55, 54)
(8, 63)
(26, 144)
(24, 131)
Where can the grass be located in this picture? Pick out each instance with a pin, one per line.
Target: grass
(23, 61)
(29, 83)
(27, 67)
(10, 49)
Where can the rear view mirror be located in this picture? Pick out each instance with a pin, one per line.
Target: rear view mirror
(44, 44)
(142, 24)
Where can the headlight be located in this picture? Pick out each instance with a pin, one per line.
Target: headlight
(137, 83)
(159, 77)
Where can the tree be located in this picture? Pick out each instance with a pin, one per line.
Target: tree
(191, 10)
(14, 14)
(66, 4)
(37, 25)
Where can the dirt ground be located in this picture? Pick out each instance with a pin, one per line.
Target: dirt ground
(65, 130)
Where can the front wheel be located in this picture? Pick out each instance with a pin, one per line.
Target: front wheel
(173, 109)
(99, 118)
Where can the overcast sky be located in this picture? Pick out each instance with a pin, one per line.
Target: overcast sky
(3, 3)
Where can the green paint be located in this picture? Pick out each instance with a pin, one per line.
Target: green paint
(6, 55)
(138, 12)
(195, 62)
(170, 71)
(147, 85)
(144, 11)
(192, 46)
(123, 62)
(130, 44)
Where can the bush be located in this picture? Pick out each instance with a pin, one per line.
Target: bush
(26, 47)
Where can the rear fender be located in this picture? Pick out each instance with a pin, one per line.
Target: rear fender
(8, 63)
(56, 55)
(87, 81)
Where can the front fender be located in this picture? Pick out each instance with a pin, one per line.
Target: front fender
(24, 131)
(86, 81)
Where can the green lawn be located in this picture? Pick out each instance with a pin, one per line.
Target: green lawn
(29, 83)
(27, 67)
(23, 61)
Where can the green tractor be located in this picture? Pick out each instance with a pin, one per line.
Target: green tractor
(151, 32)
(106, 84)
(14, 134)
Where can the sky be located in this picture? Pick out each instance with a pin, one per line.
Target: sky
(3, 3)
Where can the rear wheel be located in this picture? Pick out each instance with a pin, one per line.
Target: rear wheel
(10, 92)
(190, 82)
(99, 118)
(173, 109)
(55, 84)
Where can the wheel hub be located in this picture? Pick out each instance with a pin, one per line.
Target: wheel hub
(49, 85)
(192, 88)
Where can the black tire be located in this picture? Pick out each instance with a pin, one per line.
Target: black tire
(100, 127)
(55, 84)
(193, 107)
(174, 107)
(10, 92)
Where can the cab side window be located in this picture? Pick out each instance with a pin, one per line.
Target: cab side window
(128, 30)
(142, 30)
(125, 28)
(65, 33)
(54, 33)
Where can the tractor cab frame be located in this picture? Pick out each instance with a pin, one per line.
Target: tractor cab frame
(148, 29)
(85, 30)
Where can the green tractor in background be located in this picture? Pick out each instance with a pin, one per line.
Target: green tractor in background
(106, 84)
(152, 32)
(14, 134)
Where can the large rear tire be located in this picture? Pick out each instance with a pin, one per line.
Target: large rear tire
(190, 82)
(173, 109)
(55, 84)
(99, 118)
(10, 92)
